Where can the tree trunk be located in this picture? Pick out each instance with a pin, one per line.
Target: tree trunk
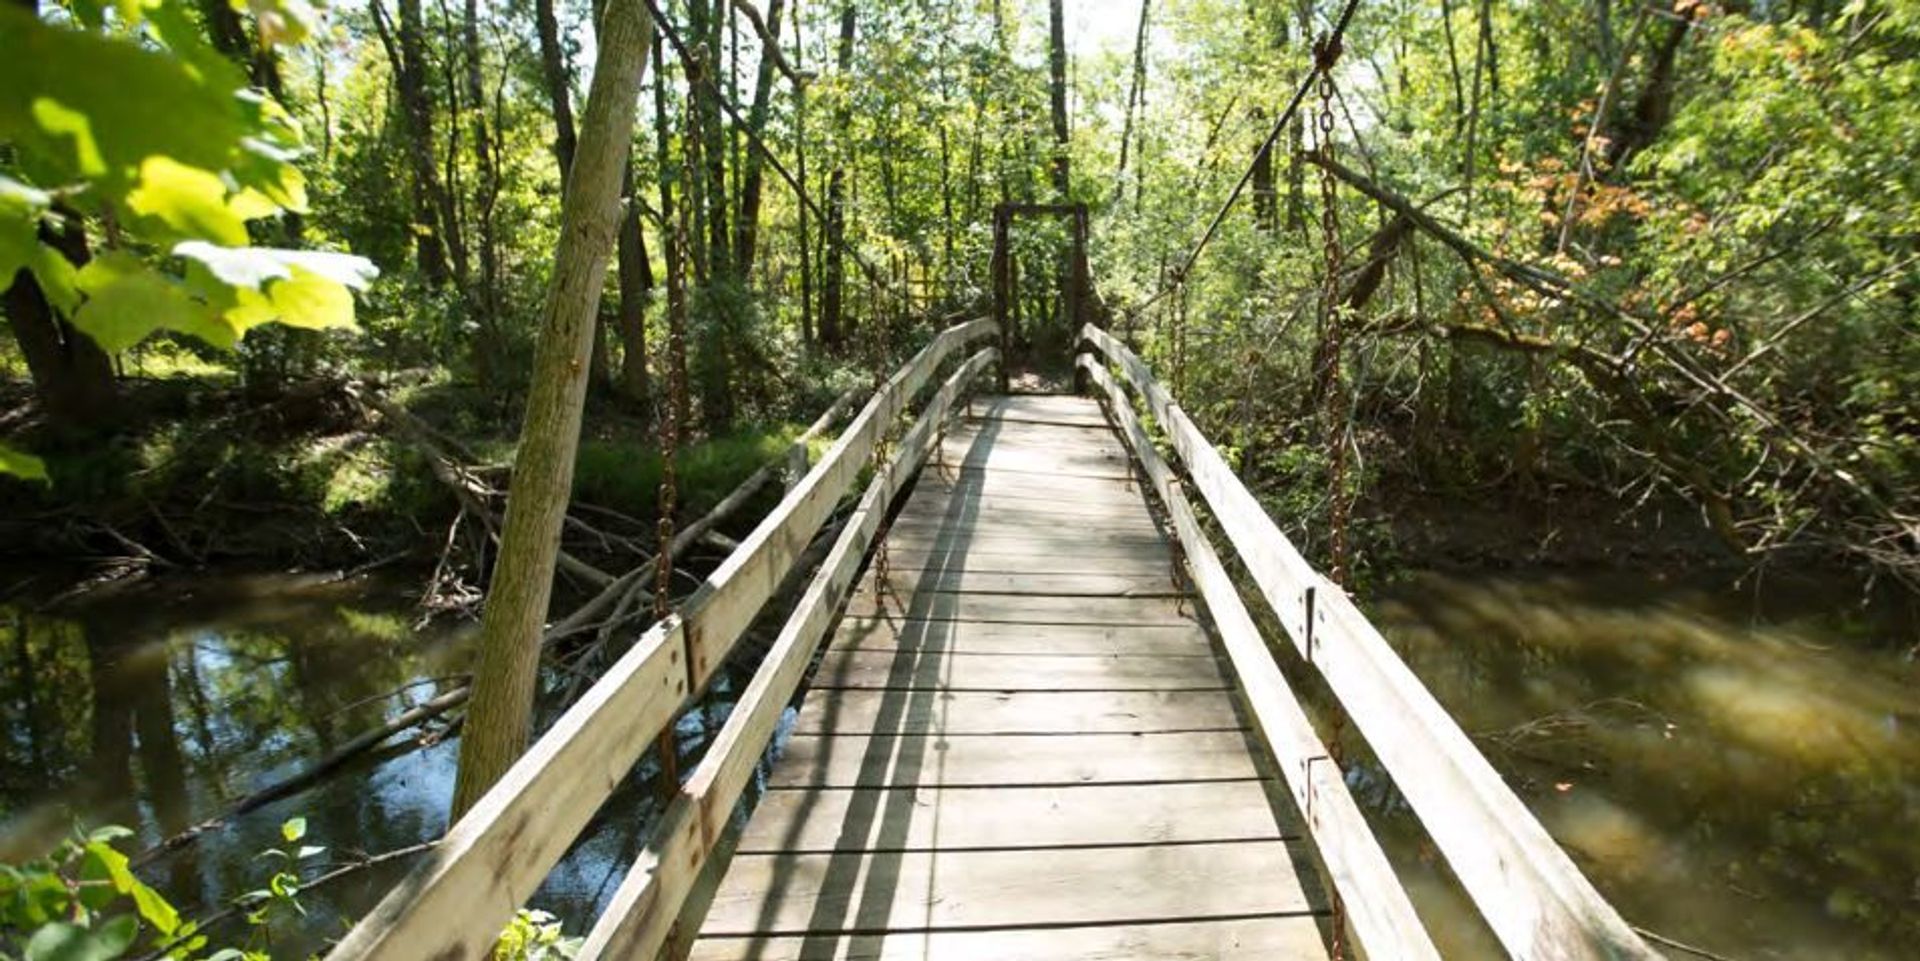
(800, 164)
(636, 282)
(72, 376)
(430, 253)
(508, 663)
(1654, 107)
(832, 328)
(489, 350)
(747, 223)
(553, 68)
(1057, 86)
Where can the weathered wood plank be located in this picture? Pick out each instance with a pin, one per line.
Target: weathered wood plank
(1070, 411)
(794, 894)
(1015, 672)
(1248, 939)
(1378, 909)
(908, 580)
(1063, 542)
(1051, 509)
(946, 760)
(973, 637)
(951, 480)
(1534, 897)
(1022, 608)
(1017, 712)
(1003, 561)
(959, 819)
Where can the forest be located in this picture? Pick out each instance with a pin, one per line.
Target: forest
(516, 314)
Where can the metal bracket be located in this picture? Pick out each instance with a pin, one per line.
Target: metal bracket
(1307, 610)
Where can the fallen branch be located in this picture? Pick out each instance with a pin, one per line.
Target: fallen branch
(365, 741)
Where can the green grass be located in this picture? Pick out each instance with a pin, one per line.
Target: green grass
(625, 475)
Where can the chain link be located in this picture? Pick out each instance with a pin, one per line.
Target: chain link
(879, 337)
(1326, 54)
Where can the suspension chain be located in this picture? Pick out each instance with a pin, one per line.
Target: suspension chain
(1326, 53)
(1179, 312)
(879, 337)
(672, 428)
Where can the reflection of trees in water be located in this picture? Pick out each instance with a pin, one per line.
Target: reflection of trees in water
(1696, 742)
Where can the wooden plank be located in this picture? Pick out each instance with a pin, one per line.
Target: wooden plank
(927, 559)
(494, 857)
(908, 580)
(936, 512)
(1034, 461)
(1048, 506)
(1378, 909)
(1073, 411)
(952, 480)
(972, 637)
(1062, 542)
(959, 819)
(1293, 938)
(797, 894)
(909, 670)
(644, 909)
(947, 760)
(1023, 608)
(1534, 897)
(995, 434)
(1017, 712)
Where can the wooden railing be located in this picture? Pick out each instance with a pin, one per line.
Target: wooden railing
(1529, 891)
(455, 903)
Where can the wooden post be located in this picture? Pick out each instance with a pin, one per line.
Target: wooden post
(1002, 288)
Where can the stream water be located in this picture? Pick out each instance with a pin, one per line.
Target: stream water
(1738, 777)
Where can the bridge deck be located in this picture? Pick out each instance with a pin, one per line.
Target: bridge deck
(1028, 748)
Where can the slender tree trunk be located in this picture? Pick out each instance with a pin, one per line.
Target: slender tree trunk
(72, 376)
(747, 223)
(430, 253)
(800, 163)
(489, 350)
(1057, 88)
(636, 283)
(1134, 92)
(508, 664)
(553, 69)
(832, 326)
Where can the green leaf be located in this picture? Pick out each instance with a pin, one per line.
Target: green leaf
(108, 833)
(309, 300)
(126, 300)
(253, 267)
(294, 829)
(310, 851)
(190, 201)
(65, 941)
(20, 209)
(83, 105)
(23, 465)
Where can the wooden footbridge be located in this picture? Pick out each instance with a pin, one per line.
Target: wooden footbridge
(1039, 722)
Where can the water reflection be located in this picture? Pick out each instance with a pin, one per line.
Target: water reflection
(1741, 776)
(162, 706)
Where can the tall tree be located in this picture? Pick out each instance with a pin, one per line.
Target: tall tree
(747, 222)
(553, 70)
(72, 376)
(508, 663)
(488, 348)
(832, 279)
(407, 58)
(1057, 88)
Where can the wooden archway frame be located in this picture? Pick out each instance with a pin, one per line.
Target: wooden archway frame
(1003, 273)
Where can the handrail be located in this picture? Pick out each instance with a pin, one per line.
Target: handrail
(643, 912)
(454, 904)
(1528, 889)
(1383, 919)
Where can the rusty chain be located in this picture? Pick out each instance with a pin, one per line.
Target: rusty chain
(1326, 53)
(878, 338)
